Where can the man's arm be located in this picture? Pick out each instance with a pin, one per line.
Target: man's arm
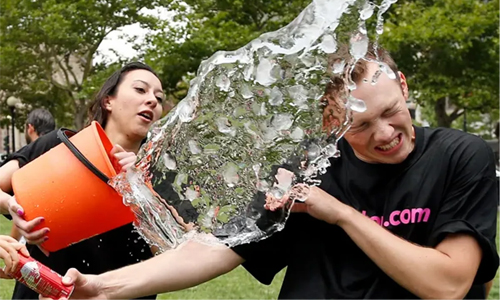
(445, 272)
(6, 172)
(188, 265)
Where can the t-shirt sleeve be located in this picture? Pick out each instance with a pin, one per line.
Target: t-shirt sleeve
(20, 156)
(470, 203)
(35, 149)
(264, 259)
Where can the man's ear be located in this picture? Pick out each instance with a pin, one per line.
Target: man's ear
(404, 84)
(30, 128)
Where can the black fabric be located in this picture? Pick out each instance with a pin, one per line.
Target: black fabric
(163, 186)
(446, 185)
(111, 250)
(35, 149)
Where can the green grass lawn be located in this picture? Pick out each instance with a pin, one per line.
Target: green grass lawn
(237, 284)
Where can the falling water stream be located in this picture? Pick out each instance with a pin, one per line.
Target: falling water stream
(207, 167)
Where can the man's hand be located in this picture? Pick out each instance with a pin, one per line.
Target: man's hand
(9, 249)
(124, 159)
(86, 286)
(306, 199)
(320, 205)
(26, 227)
(284, 179)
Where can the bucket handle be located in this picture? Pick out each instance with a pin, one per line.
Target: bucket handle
(62, 135)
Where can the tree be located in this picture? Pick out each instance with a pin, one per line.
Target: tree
(448, 50)
(48, 47)
(207, 26)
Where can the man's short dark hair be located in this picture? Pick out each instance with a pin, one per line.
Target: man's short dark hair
(41, 120)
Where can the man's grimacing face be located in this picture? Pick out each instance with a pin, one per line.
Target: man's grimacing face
(384, 132)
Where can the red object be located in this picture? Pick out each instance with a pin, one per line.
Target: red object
(74, 202)
(40, 278)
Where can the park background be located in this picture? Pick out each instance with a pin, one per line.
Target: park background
(56, 53)
(237, 284)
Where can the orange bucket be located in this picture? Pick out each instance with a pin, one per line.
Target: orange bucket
(68, 186)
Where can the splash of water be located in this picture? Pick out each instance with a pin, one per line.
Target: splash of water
(379, 29)
(359, 46)
(209, 167)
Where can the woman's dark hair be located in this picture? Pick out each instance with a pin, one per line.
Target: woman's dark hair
(97, 111)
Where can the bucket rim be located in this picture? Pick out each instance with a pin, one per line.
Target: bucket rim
(96, 128)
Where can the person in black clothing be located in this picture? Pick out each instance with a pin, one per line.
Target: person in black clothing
(405, 212)
(39, 122)
(126, 106)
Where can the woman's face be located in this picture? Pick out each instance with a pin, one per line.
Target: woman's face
(136, 105)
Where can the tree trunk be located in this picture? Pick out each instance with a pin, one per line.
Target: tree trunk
(442, 117)
(80, 116)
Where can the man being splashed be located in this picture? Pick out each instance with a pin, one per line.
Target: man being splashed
(405, 212)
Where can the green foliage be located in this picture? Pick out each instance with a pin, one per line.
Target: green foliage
(43, 38)
(448, 49)
(206, 26)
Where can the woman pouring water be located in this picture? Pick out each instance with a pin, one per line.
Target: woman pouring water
(126, 106)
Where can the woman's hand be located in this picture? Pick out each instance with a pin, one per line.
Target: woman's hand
(26, 227)
(125, 159)
(9, 249)
(86, 286)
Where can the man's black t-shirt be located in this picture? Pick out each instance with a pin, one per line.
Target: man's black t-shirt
(446, 185)
(108, 251)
